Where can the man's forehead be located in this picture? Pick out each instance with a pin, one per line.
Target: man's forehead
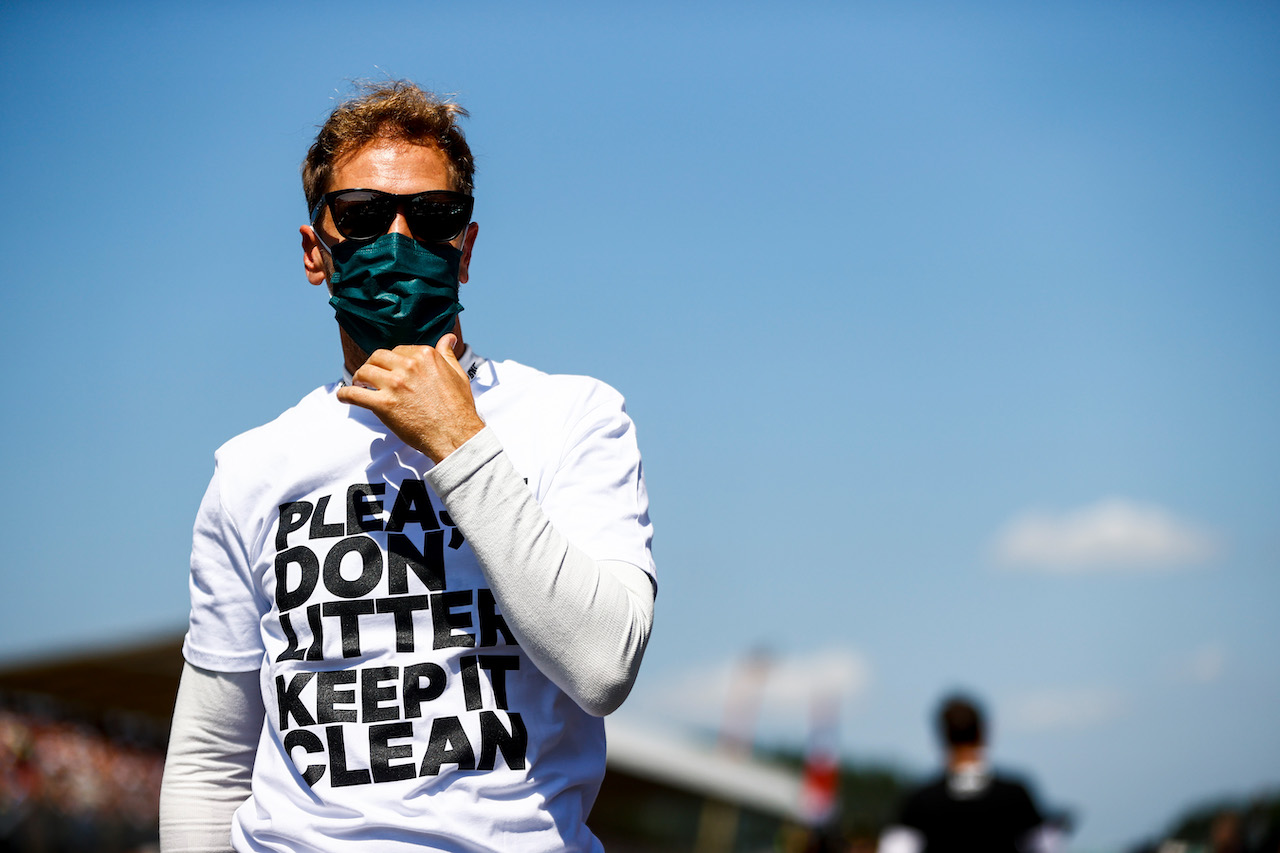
(395, 145)
(392, 160)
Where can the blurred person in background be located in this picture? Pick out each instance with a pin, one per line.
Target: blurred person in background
(969, 807)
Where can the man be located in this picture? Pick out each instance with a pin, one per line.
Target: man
(968, 808)
(415, 593)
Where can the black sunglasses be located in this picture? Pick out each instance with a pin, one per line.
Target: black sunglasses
(434, 217)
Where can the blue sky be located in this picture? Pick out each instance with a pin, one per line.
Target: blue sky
(950, 332)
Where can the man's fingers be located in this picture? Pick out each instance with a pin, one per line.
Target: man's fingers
(445, 346)
(372, 375)
(391, 371)
(357, 396)
(383, 358)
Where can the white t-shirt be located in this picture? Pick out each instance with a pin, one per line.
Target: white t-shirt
(400, 712)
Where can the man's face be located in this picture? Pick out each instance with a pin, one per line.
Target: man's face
(392, 166)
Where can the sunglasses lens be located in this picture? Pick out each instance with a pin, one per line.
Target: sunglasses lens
(361, 215)
(438, 217)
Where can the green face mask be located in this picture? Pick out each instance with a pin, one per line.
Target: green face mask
(395, 291)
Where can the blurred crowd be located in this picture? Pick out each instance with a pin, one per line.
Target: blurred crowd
(70, 785)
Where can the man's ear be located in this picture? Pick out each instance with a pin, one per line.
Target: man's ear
(468, 242)
(313, 256)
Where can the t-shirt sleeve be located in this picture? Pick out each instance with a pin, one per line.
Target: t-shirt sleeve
(597, 497)
(223, 634)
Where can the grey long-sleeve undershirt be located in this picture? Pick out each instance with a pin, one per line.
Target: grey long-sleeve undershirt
(583, 622)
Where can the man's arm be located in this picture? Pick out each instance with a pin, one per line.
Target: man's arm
(584, 622)
(217, 721)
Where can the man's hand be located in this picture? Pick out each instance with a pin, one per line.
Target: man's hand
(422, 395)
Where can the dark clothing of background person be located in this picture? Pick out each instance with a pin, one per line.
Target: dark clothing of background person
(997, 817)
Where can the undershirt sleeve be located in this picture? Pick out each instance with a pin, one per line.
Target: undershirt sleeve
(217, 721)
(583, 622)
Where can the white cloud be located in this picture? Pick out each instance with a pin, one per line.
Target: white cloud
(1055, 709)
(1111, 534)
(774, 692)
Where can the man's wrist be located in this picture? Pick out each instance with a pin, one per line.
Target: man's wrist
(463, 462)
(445, 446)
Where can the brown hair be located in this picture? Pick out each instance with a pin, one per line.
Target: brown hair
(395, 110)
